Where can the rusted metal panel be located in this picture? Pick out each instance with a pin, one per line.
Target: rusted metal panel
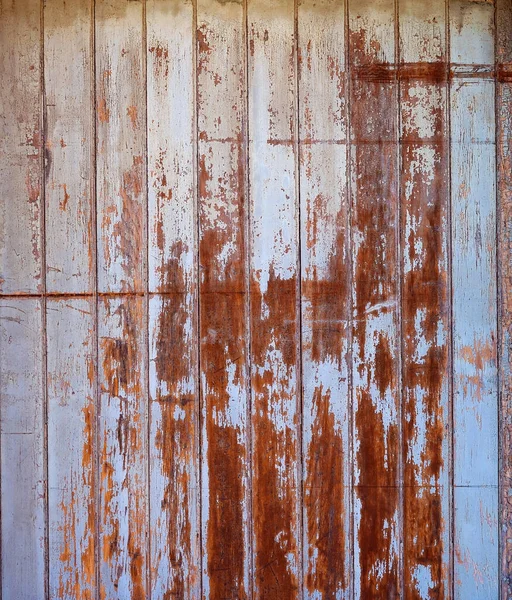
(123, 448)
(120, 145)
(72, 509)
(173, 351)
(473, 230)
(504, 155)
(223, 260)
(21, 147)
(275, 333)
(326, 297)
(22, 478)
(425, 310)
(69, 141)
(375, 346)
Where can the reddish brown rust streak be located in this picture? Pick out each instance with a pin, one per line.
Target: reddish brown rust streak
(275, 517)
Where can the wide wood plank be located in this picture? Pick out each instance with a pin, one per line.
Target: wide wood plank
(425, 310)
(173, 352)
(375, 347)
(504, 155)
(122, 437)
(22, 477)
(223, 299)
(325, 272)
(21, 148)
(475, 408)
(71, 380)
(68, 76)
(121, 141)
(275, 333)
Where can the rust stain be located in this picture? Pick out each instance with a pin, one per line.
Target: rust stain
(102, 111)
(424, 314)
(131, 111)
(275, 500)
(64, 202)
(175, 441)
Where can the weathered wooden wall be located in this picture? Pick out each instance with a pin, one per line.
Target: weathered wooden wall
(256, 299)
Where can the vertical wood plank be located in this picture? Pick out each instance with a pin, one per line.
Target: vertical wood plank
(71, 377)
(174, 465)
(124, 521)
(120, 127)
(22, 482)
(325, 272)
(375, 348)
(70, 246)
(20, 147)
(504, 154)
(424, 189)
(475, 400)
(223, 262)
(275, 333)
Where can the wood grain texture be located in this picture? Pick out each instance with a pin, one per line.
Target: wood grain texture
(173, 353)
(120, 146)
(223, 262)
(475, 402)
(71, 381)
(375, 348)
(275, 339)
(124, 519)
(425, 310)
(21, 147)
(68, 80)
(23, 565)
(326, 294)
(255, 307)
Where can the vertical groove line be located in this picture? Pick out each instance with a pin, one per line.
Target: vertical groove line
(97, 397)
(146, 299)
(300, 385)
(247, 258)
(197, 284)
(451, 468)
(399, 311)
(44, 124)
(499, 304)
(348, 154)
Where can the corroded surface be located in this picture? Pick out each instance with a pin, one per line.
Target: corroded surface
(255, 281)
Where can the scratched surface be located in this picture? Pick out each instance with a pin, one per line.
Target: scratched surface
(255, 299)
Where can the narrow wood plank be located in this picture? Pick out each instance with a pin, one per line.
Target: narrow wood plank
(275, 333)
(174, 451)
(124, 519)
(174, 464)
(223, 261)
(424, 190)
(325, 272)
(375, 349)
(70, 246)
(23, 573)
(475, 408)
(20, 147)
(504, 155)
(120, 123)
(171, 152)
(71, 380)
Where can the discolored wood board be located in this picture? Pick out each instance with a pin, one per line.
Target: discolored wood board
(21, 148)
(72, 418)
(375, 359)
(223, 314)
(254, 278)
(425, 309)
(173, 346)
(325, 300)
(69, 142)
